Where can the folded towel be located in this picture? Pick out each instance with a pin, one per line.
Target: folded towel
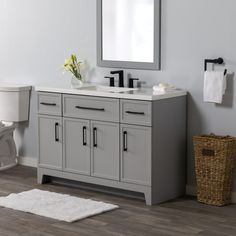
(158, 89)
(214, 86)
(163, 87)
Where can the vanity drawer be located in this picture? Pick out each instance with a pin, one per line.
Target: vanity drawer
(49, 104)
(136, 112)
(94, 108)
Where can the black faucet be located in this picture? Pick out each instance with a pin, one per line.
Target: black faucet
(121, 76)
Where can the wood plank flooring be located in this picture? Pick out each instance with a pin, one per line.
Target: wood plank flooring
(178, 218)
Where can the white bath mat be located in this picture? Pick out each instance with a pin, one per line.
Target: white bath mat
(53, 205)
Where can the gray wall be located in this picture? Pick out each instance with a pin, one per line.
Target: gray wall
(36, 36)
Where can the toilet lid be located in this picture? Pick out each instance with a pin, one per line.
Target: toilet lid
(8, 87)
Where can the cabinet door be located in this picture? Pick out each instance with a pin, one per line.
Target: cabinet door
(76, 154)
(105, 150)
(50, 142)
(136, 154)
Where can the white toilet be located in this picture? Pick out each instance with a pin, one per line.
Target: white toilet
(14, 108)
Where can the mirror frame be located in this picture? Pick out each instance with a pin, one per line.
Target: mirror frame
(156, 65)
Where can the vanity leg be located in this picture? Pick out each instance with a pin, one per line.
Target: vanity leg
(148, 198)
(42, 179)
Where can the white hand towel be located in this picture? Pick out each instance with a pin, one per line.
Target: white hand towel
(214, 86)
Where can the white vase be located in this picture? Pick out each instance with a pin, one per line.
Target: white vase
(76, 83)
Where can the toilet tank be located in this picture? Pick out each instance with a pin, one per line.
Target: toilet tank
(14, 102)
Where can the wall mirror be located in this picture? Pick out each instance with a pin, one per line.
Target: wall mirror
(128, 33)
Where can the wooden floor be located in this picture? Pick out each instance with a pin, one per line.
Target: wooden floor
(179, 217)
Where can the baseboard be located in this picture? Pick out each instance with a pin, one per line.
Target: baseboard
(28, 161)
(192, 191)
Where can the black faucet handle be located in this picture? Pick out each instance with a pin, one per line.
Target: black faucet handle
(131, 82)
(112, 81)
(121, 76)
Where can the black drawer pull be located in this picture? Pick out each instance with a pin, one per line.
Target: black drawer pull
(48, 104)
(56, 132)
(90, 108)
(84, 136)
(95, 137)
(135, 113)
(125, 148)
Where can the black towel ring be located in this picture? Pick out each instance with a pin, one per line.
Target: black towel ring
(218, 61)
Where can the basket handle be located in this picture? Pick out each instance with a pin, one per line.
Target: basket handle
(208, 152)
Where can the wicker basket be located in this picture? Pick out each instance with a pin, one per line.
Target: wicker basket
(214, 163)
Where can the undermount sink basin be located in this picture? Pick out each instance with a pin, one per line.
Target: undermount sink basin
(108, 89)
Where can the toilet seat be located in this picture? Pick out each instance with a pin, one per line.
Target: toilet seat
(8, 157)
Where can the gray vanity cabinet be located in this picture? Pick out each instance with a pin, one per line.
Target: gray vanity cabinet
(136, 154)
(50, 142)
(76, 147)
(127, 144)
(105, 150)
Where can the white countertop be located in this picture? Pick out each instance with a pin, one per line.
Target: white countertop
(146, 94)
